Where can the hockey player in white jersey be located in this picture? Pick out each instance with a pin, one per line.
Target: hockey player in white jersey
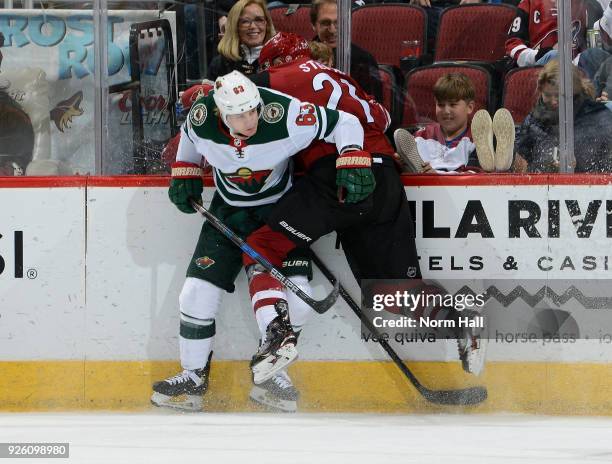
(247, 134)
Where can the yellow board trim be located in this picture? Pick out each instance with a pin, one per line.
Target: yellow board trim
(325, 386)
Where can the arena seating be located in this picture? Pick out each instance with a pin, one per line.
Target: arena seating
(380, 29)
(520, 91)
(475, 32)
(297, 22)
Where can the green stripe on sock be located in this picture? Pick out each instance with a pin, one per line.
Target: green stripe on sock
(197, 332)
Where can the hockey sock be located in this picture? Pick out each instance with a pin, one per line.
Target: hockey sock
(265, 291)
(299, 311)
(199, 302)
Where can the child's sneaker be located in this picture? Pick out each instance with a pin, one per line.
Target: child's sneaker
(503, 128)
(407, 150)
(482, 134)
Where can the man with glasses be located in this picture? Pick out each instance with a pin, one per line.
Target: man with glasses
(364, 68)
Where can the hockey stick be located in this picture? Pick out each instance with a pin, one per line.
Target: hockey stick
(463, 396)
(319, 306)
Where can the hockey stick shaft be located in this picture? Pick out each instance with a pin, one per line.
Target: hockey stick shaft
(472, 395)
(319, 306)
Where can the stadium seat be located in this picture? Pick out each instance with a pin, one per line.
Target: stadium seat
(520, 91)
(392, 93)
(474, 32)
(387, 79)
(380, 29)
(419, 104)
(297, 22)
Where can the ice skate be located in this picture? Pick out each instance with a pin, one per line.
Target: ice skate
(278, 350)
(276, 393)
(503, 128)
(407, 150)
(184, 391)
(482, 134)
(472, 345)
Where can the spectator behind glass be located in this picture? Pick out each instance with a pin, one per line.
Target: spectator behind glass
(447, 145)
(248, 27)
(322, 53)
(603, 55)
(538, 136)
(532, 38)
(364, 68)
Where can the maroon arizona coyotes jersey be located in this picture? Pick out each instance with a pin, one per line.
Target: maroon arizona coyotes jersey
(311, 81)
(535, 27)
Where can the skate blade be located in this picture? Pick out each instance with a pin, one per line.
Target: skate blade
(264, 398)
(268, 367)
(476, 358)
(192, 403)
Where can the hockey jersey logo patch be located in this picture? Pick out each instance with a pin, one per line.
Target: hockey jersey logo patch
(273, 112)
(246, 180)
(198, 114)
(204, 262)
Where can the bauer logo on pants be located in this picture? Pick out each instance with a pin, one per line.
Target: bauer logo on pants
(204, 262)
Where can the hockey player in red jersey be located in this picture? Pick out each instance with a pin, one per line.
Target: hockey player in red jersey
(376, 233)
(533, 35)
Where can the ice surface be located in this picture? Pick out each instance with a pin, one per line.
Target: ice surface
(167, 437)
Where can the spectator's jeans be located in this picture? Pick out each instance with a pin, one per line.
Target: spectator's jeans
(591, 59)
(551, 55)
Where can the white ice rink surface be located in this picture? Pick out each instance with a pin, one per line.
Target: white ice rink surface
(170, 438)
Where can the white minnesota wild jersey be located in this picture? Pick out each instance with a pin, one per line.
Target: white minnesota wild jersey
(258, 171)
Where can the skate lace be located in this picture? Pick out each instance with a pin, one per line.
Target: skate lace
(282, 381)
(183, 377)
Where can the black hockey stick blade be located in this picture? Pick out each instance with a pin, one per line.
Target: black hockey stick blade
(320, 306)
(461, 397)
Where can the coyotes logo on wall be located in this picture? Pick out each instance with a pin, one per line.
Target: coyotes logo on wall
(246, 180)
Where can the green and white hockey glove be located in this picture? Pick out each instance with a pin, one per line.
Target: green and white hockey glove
(354, 174)
(186, 184)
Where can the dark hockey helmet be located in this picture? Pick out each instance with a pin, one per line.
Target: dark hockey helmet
(284, 47)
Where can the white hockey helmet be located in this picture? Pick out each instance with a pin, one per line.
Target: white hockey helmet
(236, 94)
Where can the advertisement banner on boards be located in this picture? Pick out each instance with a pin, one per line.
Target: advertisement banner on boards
(48, 69)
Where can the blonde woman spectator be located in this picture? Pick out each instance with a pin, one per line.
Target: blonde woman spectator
(537, 138)
(248, 27)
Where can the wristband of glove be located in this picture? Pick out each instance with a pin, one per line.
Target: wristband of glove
(354, 159)
(184, 170)
(186, 184)
(354, 176)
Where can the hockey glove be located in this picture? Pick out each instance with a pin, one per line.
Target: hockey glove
(186, 183)
(354, 173)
